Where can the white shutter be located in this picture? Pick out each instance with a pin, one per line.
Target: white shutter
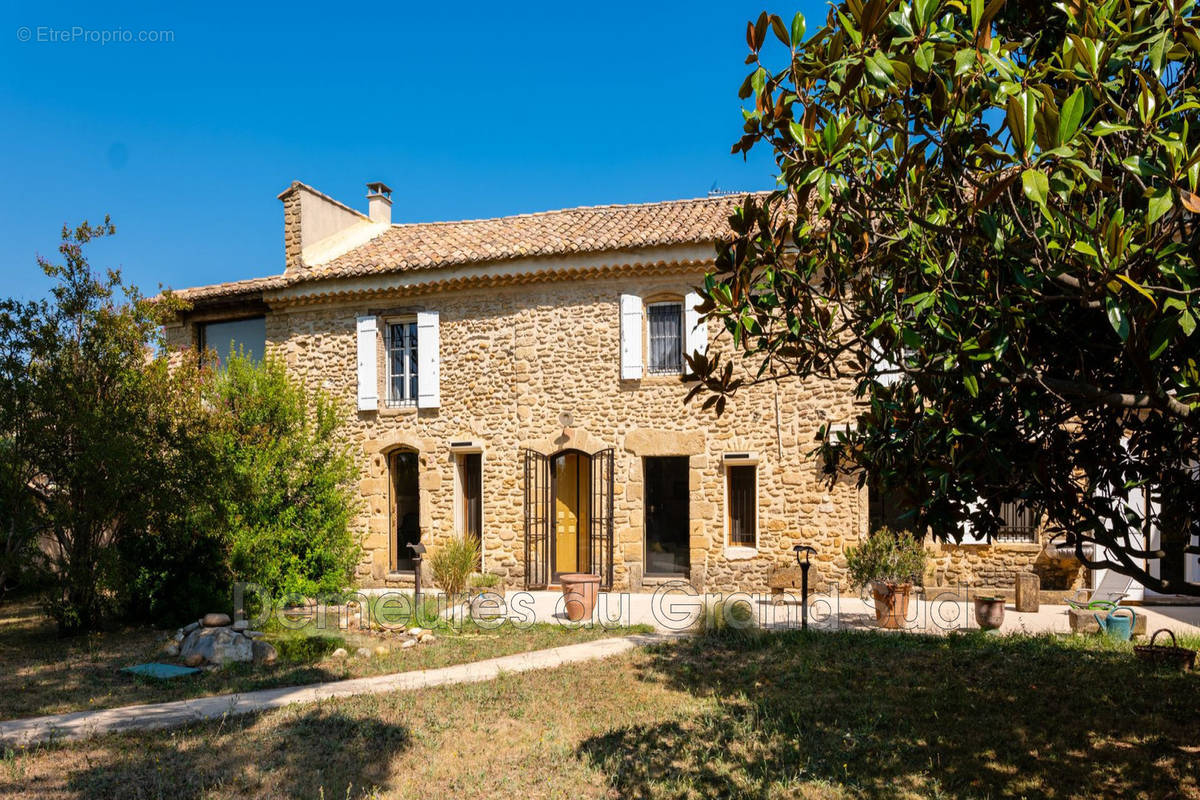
(696, 329)
(429, 381)
(631, 337)
(368, 360)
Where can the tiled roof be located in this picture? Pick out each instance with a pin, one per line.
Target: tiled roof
(573, 231)
(593, 229)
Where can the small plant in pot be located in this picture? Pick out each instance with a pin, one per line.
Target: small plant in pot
(887, 563)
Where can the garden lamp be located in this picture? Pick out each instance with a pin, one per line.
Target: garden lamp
(418, 551)
(807, 551)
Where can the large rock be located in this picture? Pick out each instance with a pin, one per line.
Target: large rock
(217, 646)
(215, 620)
(263, 652)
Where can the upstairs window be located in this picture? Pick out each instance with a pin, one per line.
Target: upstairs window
(666, 338)
(402, 363)
(247, 337)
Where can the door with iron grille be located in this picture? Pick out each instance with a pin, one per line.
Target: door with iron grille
(537, 520)
(601, 521)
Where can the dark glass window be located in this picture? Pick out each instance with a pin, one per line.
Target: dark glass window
(247, 337)
(402, 364)
(742, 506)
(666, 337)
(666, 507)
(406, 507)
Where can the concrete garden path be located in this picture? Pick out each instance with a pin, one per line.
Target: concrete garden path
(84, 724)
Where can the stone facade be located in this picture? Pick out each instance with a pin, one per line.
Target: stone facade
(529, 359)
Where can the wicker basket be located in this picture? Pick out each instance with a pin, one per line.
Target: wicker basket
(1161, 655)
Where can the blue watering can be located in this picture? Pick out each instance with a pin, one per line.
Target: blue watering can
(1117, 627)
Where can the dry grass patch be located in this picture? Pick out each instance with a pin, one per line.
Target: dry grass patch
(45, 674)
(825, 716)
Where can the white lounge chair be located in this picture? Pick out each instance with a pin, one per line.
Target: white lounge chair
(1113, 588)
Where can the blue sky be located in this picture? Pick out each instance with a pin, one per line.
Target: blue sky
(465, 110)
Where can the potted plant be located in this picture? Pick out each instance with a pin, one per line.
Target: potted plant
(989, 612)
(485, 595)
(887, 563)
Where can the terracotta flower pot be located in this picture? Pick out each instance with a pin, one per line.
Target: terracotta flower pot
(891, 603)
(989, 612)
(579, 589)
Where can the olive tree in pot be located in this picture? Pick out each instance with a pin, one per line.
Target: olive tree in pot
(887, 563)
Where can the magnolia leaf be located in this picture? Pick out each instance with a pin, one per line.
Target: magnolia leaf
(1137, 287)
(1116, 316)
(1085, 248)
(798, 29)
(1160, 203)
(1036, 186)
(1070, 116)
(1190, 201)
(972, 384)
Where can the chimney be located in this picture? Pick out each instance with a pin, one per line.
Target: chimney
(379, 203)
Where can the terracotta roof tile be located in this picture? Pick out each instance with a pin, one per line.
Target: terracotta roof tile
(573, 231)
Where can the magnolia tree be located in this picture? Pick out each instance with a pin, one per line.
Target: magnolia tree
(985, 223)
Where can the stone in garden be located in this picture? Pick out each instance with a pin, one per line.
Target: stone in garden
(217, 646)
(241, 625)
(362, 652)
(407, 643)
(194, 660)
(191, 626)
(253, 634)
(339, 653)
(263, 652)
(382, 650)
(416, 632)
(215, 620)
(171, 649)
(426, 638)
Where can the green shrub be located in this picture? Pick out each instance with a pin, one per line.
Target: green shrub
(886, 556)
(288, 501)
(306, 649)
(730, 617)
(453, 563)
(484, 580)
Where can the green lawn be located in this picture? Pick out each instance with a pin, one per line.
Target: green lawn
(822, 715)
(44, 674)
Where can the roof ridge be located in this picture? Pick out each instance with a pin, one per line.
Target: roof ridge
(604, 207)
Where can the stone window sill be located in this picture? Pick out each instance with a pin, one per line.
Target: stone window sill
(740, 553)
(396, 411)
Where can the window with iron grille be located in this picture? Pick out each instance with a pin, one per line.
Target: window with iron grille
(1020, 524)
(741, 506)
(666, 338)
(402, 364)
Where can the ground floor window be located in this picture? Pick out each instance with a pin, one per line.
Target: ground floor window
(666, 510)
(406, 507)
(247, 337)
(741, 504)
(470, 500)
(1020, 524)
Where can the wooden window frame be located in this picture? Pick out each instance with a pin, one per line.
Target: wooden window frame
(730, 544)
(676, 369)
(461, 514)
(412, 361)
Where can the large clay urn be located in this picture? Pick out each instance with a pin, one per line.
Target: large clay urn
(579, 590)
(891, 603)
(989, 612)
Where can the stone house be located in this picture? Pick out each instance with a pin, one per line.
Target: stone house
(520, 380)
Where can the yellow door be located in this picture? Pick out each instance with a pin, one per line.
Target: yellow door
(566, 513)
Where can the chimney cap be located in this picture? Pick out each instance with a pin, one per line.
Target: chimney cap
(378, 187)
